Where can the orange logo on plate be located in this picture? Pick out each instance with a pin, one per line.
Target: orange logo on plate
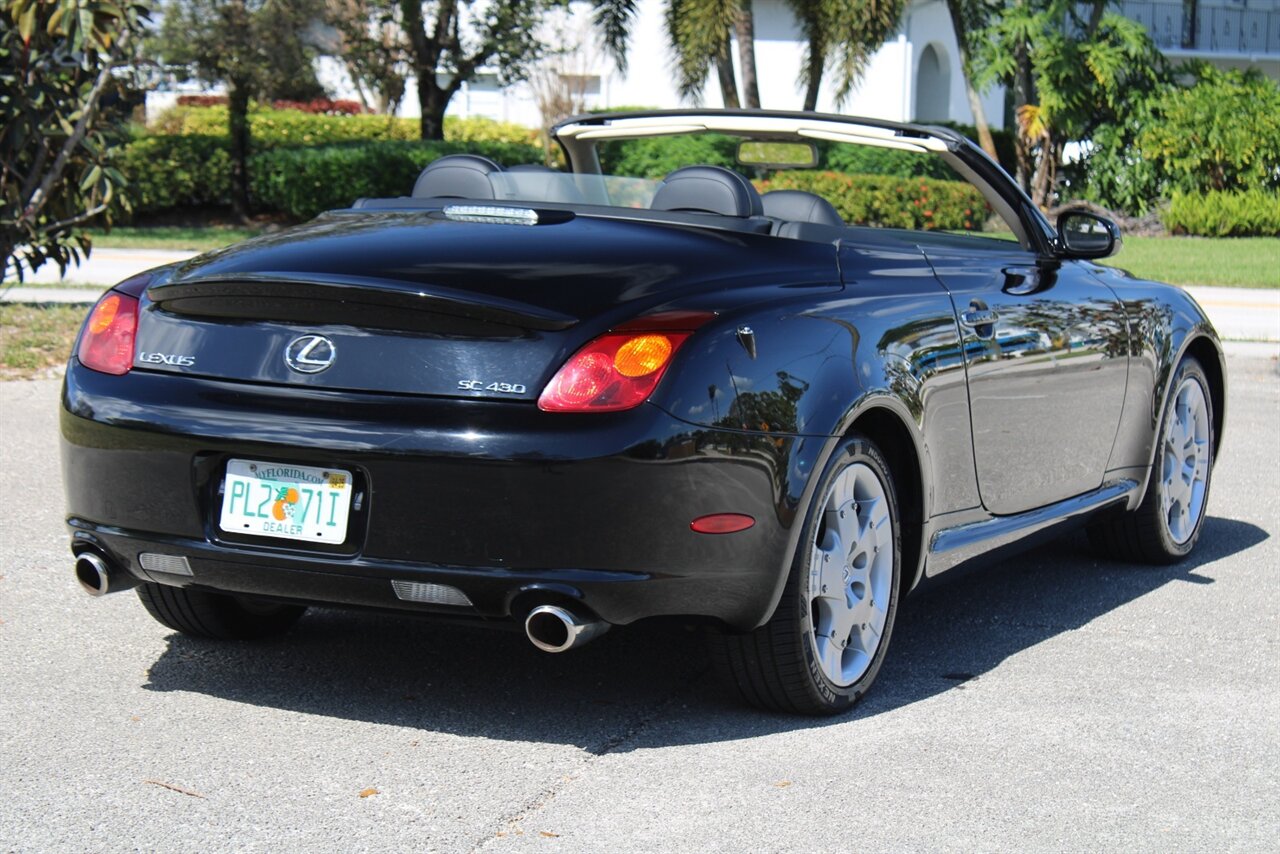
(286, 503)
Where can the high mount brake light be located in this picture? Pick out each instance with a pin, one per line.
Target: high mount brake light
(107, 342)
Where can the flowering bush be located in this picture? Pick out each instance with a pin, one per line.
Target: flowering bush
(915, 203)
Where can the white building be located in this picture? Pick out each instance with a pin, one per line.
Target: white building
(915, 76)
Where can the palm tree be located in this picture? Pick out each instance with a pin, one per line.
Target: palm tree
(967, 18)
(841, 35)
(701, 33)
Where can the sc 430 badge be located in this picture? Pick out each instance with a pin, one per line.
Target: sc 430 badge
(500, 388)
(167, 359)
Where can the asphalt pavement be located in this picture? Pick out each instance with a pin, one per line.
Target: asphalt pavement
(1055, 702)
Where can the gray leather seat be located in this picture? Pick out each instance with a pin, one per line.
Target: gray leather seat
(708, 189)
(457, 176)
(799, 206)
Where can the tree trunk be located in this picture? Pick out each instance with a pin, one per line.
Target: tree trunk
(1046, 174)
(6, 257)
(975, 103)
(728, 80)
(432, 102)
(745, 28)
(238, 126)
(817, 63)
(1022, 97)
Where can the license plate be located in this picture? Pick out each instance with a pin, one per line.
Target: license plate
(286, 501)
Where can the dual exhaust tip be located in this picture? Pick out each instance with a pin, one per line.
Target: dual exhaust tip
(98, 577)
(553, 628)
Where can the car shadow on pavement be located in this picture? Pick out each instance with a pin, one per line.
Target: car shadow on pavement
(410, 672)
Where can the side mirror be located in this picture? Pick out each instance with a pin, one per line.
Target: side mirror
(1085, 235)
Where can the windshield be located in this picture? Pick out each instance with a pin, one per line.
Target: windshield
(868, 185)
(537, 185)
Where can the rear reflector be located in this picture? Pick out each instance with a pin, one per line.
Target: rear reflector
(430, 594)
(722, 523)
(169, 564)
(107, 342)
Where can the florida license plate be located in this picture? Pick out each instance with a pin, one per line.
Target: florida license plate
(286, 501)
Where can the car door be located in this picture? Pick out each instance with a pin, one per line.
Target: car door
(1045, 353)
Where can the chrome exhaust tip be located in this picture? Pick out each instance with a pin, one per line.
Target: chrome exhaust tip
(552, 628)
(98, 578)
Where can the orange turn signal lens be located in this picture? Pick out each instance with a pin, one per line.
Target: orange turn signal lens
(104, 314)
(107, 342)
(642, 355)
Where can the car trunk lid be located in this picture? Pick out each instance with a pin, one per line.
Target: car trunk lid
(415, 303)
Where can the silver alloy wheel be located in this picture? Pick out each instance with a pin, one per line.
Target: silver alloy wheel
(1184, 454)
(851, 574)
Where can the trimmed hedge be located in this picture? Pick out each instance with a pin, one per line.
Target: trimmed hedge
(918, 203)
(175, 171)
(270, 128)
(893, 163)
(274, 128)
(304, 182)
(655, 156)
(195, 171)
(1226, 214)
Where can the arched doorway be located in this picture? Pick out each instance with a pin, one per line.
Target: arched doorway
(933, 85)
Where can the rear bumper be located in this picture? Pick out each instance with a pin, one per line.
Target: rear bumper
(500, 500)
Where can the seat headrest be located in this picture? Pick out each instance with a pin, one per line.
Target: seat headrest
(799, 206)
(708, 189)
(457, 176)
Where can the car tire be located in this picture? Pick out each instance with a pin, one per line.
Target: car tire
(202, 614)
(820, 651)
(1166, 525)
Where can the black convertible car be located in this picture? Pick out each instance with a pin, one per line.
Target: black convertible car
(574, 400)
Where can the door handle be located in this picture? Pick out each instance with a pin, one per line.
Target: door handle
(975, 317)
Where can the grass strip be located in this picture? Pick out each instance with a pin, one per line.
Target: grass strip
(36, 339)
(1231, 262)
(196, 239)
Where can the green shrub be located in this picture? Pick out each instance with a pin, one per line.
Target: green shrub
(890, 202)
(303, 182)
(1223, 133)
(655, 156)
(1227, 214)
(868, 160)
(478, 129)
(175, 171)
(194, 171)
(271, 128)
(274, 128)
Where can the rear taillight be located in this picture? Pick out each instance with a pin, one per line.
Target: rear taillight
(107, 342)
(615, 371)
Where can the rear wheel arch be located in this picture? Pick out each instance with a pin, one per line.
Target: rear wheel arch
(898, 442)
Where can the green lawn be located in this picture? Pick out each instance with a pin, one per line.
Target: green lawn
(199, 239)
(1233, 262)
(36, 338)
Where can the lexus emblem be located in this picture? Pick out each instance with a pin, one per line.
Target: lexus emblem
(310, 354)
